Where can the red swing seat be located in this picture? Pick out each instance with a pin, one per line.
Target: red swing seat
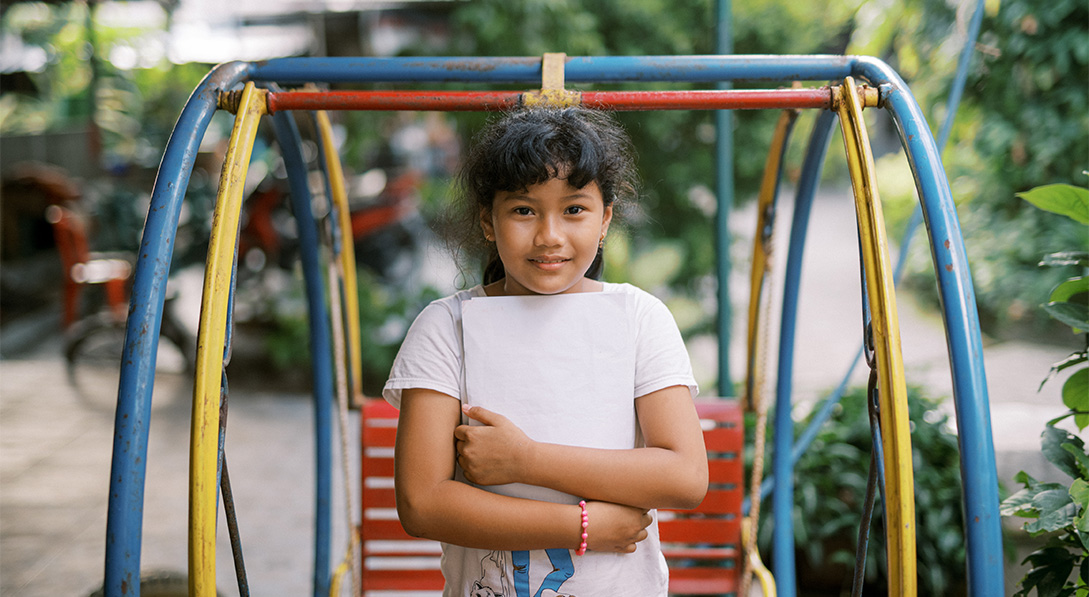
(702, 546)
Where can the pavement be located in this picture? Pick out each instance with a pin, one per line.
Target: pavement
(55, 443)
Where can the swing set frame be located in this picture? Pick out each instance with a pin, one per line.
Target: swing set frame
(254, 89)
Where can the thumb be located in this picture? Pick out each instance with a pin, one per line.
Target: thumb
(483, 415)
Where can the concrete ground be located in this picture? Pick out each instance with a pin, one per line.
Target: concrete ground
(55, 445)
(55, 466)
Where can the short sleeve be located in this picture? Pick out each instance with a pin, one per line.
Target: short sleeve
(430, 356)
(661, 357)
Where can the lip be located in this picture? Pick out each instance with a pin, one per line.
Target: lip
(549, 262)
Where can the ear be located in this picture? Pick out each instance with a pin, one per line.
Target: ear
(486, 224)
(606, 219)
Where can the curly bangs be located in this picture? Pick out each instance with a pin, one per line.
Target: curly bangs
(528, 146)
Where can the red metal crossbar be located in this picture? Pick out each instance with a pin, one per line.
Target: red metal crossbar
(479, 101)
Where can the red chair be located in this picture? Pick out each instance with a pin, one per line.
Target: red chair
(82, 267)
(702, 546)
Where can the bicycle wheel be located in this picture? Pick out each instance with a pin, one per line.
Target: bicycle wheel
(93, 355)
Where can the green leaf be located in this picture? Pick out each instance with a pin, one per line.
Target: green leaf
(1072, 314)
(1063, 258)
(1079, 493)
(1081, 459)
(1019, 504)
(1056, 509)
(1069, 289)
(1063, 199)
(1052, 441)
(1026, 479)
(1076, 396)
(1051, 567)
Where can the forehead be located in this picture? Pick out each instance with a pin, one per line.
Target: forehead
(559, 188)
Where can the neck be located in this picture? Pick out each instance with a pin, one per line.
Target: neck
(499, 288)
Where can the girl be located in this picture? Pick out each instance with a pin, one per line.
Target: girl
(538, 194)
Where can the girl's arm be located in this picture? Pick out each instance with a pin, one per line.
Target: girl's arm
(431, 504)
(670, 472)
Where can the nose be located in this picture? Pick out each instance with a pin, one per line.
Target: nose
(549, 232)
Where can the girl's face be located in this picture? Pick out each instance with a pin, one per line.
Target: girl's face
(547, 236)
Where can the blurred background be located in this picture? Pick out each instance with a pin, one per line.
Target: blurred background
(90, 90)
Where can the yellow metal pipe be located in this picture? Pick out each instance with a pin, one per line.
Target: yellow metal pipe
(339, 193)
(204, 439)
(895, 430)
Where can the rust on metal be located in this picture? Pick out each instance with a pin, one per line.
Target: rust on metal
(229, 101)
(451, 101)
(868, 97)
(481, 66)
(552, 93)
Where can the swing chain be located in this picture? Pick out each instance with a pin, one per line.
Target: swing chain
(228, 496)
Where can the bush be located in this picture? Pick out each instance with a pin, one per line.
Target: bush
(1061, 511)
(830, 483)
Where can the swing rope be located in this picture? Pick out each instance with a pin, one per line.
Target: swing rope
(350, 559)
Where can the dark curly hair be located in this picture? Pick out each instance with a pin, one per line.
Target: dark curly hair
(528, 146)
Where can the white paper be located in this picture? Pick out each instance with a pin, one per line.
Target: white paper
(561, 368)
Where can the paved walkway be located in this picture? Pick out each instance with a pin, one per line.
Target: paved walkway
(55, 460)
(55, 447)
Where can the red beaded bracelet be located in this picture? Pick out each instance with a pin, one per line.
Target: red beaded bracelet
(585, 524)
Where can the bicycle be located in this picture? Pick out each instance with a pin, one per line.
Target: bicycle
(93, 343)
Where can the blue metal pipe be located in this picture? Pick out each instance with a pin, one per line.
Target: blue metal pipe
(287, 133)
(582, 69)
(783, 466)
(724, 191)
(979, 473)
(124, 518)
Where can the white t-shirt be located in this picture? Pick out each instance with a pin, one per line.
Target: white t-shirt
(432, 357)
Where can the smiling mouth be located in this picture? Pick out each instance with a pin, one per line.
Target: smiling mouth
(548, 263)
(548, 260)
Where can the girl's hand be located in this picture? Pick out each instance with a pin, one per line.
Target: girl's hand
(615, 528)
(494, 453)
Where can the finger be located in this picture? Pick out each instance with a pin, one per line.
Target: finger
(483, 415)
(461, 432)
